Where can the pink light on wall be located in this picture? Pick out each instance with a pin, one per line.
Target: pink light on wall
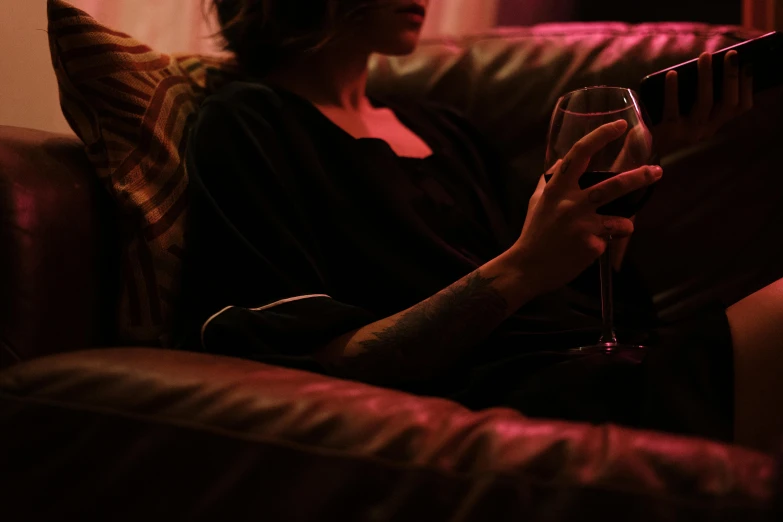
(173, 26)
(530, 12)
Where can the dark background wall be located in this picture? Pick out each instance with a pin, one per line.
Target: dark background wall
(526, 12)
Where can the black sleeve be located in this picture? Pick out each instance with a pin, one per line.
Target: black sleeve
(251, 282)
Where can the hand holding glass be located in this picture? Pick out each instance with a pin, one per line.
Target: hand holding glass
(576, 115)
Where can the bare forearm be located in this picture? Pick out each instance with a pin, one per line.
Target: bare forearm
(418, 342)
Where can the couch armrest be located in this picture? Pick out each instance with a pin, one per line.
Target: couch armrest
(94, 434)
(58, 247)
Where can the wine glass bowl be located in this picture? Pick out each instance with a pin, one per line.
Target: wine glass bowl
(576, 115)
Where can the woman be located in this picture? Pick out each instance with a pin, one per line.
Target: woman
(366, 238)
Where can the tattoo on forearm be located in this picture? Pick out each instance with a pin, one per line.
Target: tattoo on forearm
(432, 334)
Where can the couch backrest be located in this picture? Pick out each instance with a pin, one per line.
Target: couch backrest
(58, 268)
(507, 81)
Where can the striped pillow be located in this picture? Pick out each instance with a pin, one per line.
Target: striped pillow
(132, 107)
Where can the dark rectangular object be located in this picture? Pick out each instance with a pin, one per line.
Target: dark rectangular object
(764, 53)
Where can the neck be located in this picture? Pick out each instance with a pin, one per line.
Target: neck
(330, 77)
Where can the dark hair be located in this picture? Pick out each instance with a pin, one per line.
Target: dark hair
(263, 33)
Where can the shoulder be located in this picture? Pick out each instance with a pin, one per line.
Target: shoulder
(445, 120)
(455, 119)
(238, 112)
(443, 117)
(422, 107)
(236, 102)
(446, 112)
(236, 134)
(245, 94)
(462, 131)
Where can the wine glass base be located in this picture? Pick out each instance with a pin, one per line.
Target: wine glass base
(608, 348)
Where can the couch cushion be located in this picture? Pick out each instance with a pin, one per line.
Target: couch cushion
(132, 107)
(175, 434)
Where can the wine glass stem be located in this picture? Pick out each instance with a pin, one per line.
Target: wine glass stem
(608, 336)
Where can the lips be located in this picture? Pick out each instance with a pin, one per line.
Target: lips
(413, 9)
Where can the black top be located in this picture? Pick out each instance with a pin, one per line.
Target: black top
(287, 204)
(299, 233)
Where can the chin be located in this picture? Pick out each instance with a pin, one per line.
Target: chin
(400, 46)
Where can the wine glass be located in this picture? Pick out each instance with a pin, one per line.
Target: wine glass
(577, 114)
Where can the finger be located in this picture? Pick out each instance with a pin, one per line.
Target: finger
(614, 227)
(551, 170)
(671, 107)
(704, 98)
(554, 167)
(536, 197)
(541, 186)
(746, 89)
(622, 184)
(578, 158)
(731, 85)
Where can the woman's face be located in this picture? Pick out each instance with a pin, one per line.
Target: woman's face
(392, 27)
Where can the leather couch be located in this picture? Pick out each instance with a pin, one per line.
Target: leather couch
(93, 431)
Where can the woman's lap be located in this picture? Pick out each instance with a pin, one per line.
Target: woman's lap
(682, 382)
